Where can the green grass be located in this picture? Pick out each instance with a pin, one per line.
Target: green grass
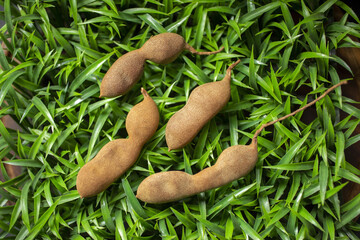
(66, 47)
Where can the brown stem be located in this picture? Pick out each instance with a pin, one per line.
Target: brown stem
(194, 51)
(144, 92)
(295, 112)
(231, 67)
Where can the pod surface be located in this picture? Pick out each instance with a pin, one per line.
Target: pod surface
(233, 163)
(204, 103)
(107, 166)
(163, 48)
(123, 74)
(119, 155)
(165, 187)
(143, 120)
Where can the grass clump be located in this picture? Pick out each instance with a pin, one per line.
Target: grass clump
(64, 49)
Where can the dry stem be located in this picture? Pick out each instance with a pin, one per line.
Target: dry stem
(194, 51)
(299, 110)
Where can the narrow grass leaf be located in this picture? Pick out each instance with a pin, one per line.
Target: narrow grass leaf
(340, 146)
(323, 180)
(44, 111)
(229, 229)
(223, 203)
(306, 215)
(85, 224)
(175, 25)
(15, 213)
(25, 163)
(202, 16)
(348, 175)
(252, 15)
(35, 147)
(184, 220)
(200, 145)
(103, 116)
(105, 211)
(76, 83)
(63, 42)
(8, 18)
(120, 228)
(11, 181)
(42, 221)
(112, 5)
(17, 68)
(330, 227)
(325, 6)
(153, 23)
(8, 84)
(143, 10)
(211, 226)
(303, 166)
(6, 135)
(293, 150)
(133, 200)
(329, 193)
(248, 230)
(197, 71)
(279, 215)
(3, 61)
(24, 205)
(306, 55)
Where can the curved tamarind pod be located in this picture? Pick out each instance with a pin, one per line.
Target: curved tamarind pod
(128, 69)
(163, 48)
(142, 120)
(204, 103)
(123, 74)
(119, 155)
(233, 163)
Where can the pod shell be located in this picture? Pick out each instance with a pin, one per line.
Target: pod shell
(119, 155)
(204, 103)
(107, 166)
(234, 162)
(123, 74)
(143, 120)
(163, 48)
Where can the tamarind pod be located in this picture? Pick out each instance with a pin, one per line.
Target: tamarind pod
(142, 120)
(123, 74)
(163, 48)
(233, 163)
(204, 103)
(108, 165)
(119, 155)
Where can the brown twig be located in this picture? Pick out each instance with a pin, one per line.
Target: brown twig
(299, 110)
(194, 51)
(231, 67)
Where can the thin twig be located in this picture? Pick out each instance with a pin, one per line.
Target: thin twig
(231, 67)
(299, 110)
(194, 51)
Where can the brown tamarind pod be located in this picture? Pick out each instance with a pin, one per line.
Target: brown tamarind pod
(204, 103)
(163, 48)
(233, 163)
(119, 155)
(123, 74)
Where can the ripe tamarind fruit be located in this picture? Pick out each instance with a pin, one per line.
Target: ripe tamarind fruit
(233, 163)
(119, 155)
(128, 69)
(204, 103)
